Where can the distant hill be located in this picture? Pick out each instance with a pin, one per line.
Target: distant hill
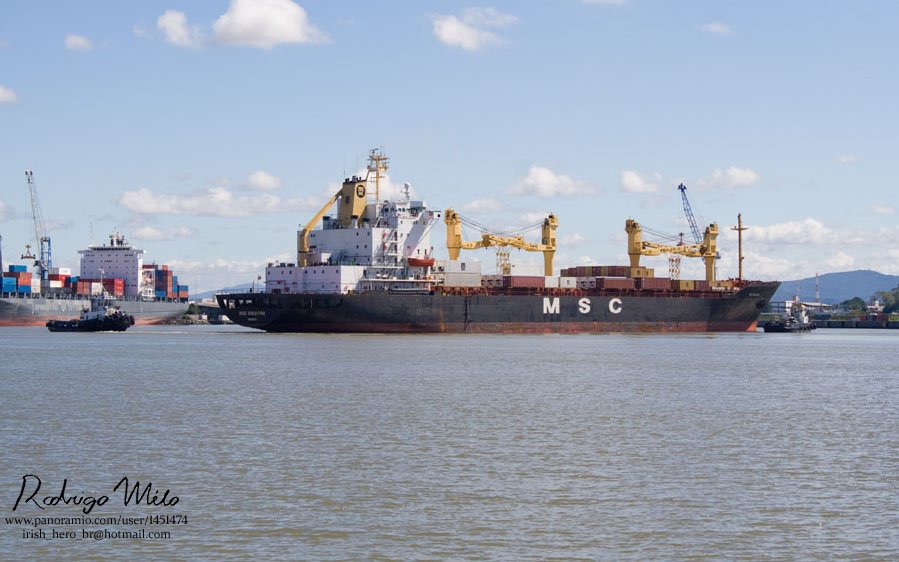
(235, 288)
(838, 287)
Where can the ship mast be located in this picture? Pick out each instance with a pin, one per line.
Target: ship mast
(377, 163)
(739, 228)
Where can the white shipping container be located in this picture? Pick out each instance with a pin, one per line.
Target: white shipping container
(463, 280)
(60, 271)
(568, 282)
(458, 266)
(55, 284)
(551, 282)
(586, 282)
(96, 288)
(527, 269)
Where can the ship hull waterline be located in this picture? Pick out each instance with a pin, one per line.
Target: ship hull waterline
(25, 312)
(507, 313)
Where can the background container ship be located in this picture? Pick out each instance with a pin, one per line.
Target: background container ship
(372, 269)
(148, 292)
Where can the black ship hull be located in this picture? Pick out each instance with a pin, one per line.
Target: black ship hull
(111, 323)
(788, 328)
(481, 311)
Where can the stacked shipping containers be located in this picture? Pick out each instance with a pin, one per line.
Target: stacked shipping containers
(22, 280)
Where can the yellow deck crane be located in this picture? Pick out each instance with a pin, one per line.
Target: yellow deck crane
(353, 197)
(707, 250)
(547, 245)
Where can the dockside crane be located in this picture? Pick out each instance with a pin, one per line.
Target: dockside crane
(43, 261)
(547, 245)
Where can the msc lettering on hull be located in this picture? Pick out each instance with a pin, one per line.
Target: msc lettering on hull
(552, 305)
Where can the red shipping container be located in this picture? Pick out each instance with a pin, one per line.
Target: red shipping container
(22, 277)
(618, 271)
(702, 285)
(614, 283)
(654, 283)
(524, 281)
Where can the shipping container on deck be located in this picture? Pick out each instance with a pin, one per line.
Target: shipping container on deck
(24, 289)
(683, 284)
(160, 294)
(701, 285)
(523, 282)
(18, 268)
(21, 277)
(614, 283)
(653, 283)
(586, 282)
(9, 285)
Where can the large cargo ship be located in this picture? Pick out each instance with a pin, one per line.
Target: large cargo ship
(148, 292)
(372, 269)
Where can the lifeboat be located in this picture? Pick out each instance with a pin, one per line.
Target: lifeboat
(420, 262)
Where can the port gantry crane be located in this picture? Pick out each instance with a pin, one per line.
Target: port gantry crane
(707, 249)
(547, 245)
(43, 262)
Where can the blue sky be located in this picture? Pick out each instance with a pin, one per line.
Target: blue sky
(207, 131)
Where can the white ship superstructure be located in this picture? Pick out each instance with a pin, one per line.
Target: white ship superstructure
(118, 259)
(369, 245)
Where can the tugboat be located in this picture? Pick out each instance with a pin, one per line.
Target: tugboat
(796, 321)
(100, 318)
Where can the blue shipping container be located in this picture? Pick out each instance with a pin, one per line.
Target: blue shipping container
(18, 268)
(26, 289)
(160, 294)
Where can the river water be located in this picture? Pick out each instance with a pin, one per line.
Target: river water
(324, 447)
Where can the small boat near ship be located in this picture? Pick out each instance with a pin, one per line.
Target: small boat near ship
(101, 317)
(794, 321)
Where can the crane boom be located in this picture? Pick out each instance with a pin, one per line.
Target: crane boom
(44, 262)
(707, 250)
(688, 211)
(547, 245)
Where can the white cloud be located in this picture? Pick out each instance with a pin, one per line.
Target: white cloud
(807, 231)
(483, 205)
(263, 181)
(5, 211)
(77, 43)
(730, 178)
(633, 182)
(217, 201)
(543, 182)
(265, 24)
(718, 28)
(531, 217)
(571, 240)
(840, 261)
(468, 31)
(763, 266)
(487, 17)
(7, 95)
(156, 234)
(847, 159)
(174, 25)
(139, 31)
(879, 209)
